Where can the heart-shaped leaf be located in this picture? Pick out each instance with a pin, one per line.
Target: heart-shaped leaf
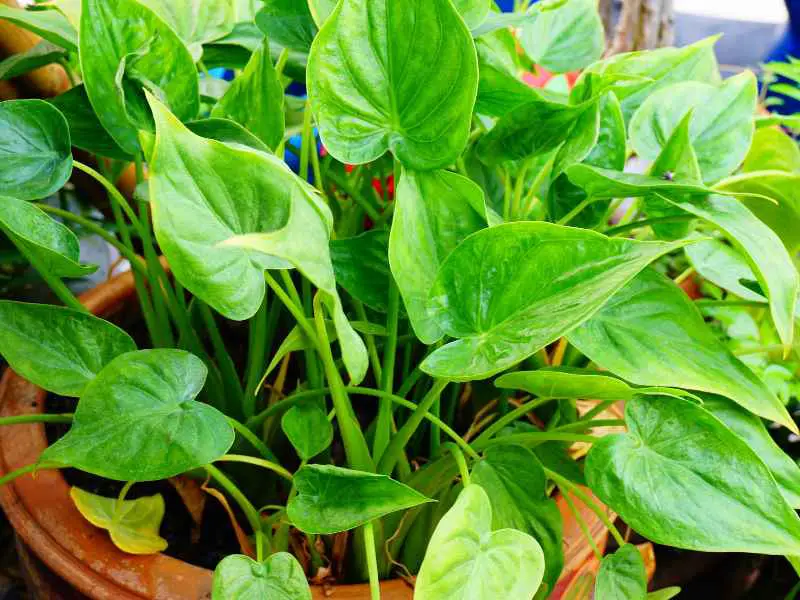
(466, 559)
(516, 484)
(331, 499)
(622, 576)
(220, 234)
(58, 349)
(721, 127)
(255, 99)
(483, 294)
(138, 420)
(435, 211)
(35, 152)
(566, 35)
(279, 577)
(650, 333)
(50, 244)
(308, 429)
(681, 478)
(376, 82)
(51, 25)
(128, 44)
(361, 264)
(132, 524)
(288, 23)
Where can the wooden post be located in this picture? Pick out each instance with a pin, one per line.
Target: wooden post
(642, 25)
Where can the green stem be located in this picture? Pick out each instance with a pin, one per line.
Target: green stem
(256, 357)
(25, 419)
(383, 430)
(537, 438)
(57, 286)
(619, 229)
(372, 349)
(461, 461)
(224, 361)
(258, 462)
(395, 448)
(344, 185)
(112, 190)
(295, 309)
(575, 211)
(510, 417)
(584, 527)
(9, 477)
(247, 434)
(372, 562)
(247, 508)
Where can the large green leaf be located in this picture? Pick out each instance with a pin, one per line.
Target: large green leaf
(255, 99)
(435, 211)
(86, 131)
(772, 150)
(307, 428)
(510, 290)
(58, 349)
(138, 420)
(474, 12)
(331, 499)
(722, 265)
(752, 430)
(49, 24)
(399, 75)
(681, 478)
(721, 128)
(288, 22)
(43, 53)
(220, 233)
(566, 35)
(196, 21)
(35, 152)
(49, 244)
(633, 76)
(515, 482)
(279, 577)
(763, 249)
(132, 524)
(650, 333)
(361, 264)
(125, 47)
(622, 576)
(607, 183)
(573, 384)
(466, 560)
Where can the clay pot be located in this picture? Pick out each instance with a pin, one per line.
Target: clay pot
(46, 520)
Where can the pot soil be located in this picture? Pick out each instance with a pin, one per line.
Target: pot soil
(45, 519)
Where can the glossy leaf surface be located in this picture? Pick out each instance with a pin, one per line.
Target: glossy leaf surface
(724, 266)
(43, 53)
(399, 75)
(196, 21)
(361, 264)
(622, 575)
(228, 132)
(279, 577)
(553, 383)
(308, 429)
(132, 524)
(681, 478)
(138, 420)
(474, 12)
(622, 336)
(288, 22)
(49, 24)
(331, 499)
(465, 557)
(58, 349)
(607, 183)
(35, 152)
(484, 296)
(772, 150)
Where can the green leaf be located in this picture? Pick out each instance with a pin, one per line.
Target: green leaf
(752, 430)
(321, 10)
(43, 53)
(35, 152)
(308, 429)
(515, 482)
(553, 383)
(196, 21)
(500, 92)
(86, 131)
(361, 264)
(721, 127)
(331, 499)
(220, 235)
(607, 183)
(51, 25)
(474, 12)
(279, 577)
(288, 22)
(483, 294)
(132, 524)
(376, 82)
(650, 333)
(466, 559)
(664, 594)
(772, 150)
(633, 76)
(138, 420)
(724, 266)
(58, 349)
(622, 575)
(255, 99)
(228, 132)
(52, 245)
(565, 35)
(512, 137)
(127, 44)
(436, 211)
(681, 478)
(763, 249)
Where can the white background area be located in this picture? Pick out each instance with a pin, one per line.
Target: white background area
(756, 11)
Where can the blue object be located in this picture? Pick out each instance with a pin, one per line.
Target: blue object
(788, 45)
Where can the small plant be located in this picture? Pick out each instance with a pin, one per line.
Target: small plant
(471, 260)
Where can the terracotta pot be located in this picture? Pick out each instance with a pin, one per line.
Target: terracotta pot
(46, 520)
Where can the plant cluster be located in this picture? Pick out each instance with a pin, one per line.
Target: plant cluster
(472, 259)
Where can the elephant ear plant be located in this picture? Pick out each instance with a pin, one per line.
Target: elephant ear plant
(431, 302)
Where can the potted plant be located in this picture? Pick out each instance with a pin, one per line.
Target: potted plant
(424, 322)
